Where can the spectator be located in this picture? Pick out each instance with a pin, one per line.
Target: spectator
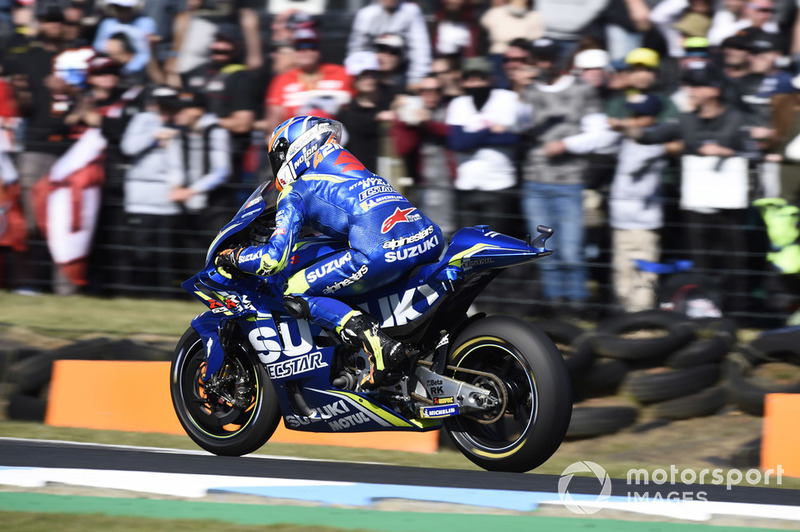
(516, 57)
(446, 69)
(508, 23)
(363, 116)
(635, 206)
(122, 52)
(398, 17)
(642, 73)
(163, 12)
(714, 143)
(195, 28)
(757, 14)
(761, 83)
(725, 20)
(591, 66)
(567, 23)
(568, 122)
(228, 89)
(786, 124)
(281, 57)
(391, 66)
(153, 143)
(484, 125)
(734, 55)
(455, 29)
(44, 99)
(421, 137)
(307, 88)
(626, 21)
(139, 29)
(206, 157)
(679, 19)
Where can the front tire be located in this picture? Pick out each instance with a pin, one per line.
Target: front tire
(539, 406)
(214, 423)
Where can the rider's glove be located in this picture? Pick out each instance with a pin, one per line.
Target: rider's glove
(269, 266)
(227, 263)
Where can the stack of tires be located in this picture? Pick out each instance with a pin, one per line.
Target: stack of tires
(26, 381)
(668, 365)
(748, 378)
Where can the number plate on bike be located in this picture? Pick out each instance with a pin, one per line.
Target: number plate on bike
(438, 411)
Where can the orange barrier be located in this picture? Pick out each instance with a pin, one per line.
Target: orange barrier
(135, 397)
(781, 433)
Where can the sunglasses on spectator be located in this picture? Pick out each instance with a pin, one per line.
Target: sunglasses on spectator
(306, 45)
(429, 89)
(388, 50)
(762, 9)
(515, 59)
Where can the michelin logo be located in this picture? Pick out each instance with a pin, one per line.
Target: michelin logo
(414, 251)
(416, 237)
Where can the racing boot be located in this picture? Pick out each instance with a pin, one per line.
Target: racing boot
(384, 353)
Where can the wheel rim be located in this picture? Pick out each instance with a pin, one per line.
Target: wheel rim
(210, 413)
(493, 355)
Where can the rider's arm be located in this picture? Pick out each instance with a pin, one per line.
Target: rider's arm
(272, 257)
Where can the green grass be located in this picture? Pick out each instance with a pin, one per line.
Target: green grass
(74, 316)
(45, 522)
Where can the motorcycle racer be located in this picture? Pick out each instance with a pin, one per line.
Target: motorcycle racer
(324, 187)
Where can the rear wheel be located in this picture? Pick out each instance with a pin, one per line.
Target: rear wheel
(538, 407)
(232, 414)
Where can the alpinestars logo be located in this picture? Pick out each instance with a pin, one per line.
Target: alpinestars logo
(399, 216)
(338, 285)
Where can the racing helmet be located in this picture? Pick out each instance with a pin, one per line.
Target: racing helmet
(295, 142)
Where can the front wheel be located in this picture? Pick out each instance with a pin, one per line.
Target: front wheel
(538, 404)
(232, 414)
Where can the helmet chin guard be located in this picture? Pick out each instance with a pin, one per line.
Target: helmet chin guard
(294, 144)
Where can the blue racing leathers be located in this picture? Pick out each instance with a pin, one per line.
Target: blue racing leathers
(340, 198)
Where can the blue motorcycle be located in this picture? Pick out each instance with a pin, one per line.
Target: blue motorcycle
(497, 384)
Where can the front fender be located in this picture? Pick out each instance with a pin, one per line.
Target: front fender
(207, 326)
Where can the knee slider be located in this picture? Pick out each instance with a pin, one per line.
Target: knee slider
(297, 307)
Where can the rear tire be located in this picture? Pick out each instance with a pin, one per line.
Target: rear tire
(218, 426)
(539, 406)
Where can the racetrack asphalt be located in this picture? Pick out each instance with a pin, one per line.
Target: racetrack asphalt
(29, 453)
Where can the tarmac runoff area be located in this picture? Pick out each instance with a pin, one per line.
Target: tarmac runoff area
(343, 504)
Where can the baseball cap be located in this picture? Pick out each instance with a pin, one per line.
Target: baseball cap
(693, 25)
(643, 56)
(643, 104)
(544, 48)
(477, 65)
(123, 3)
(100, 65)
(390, 40)
(762, 42)
(594, 58)
(229, 32)
(305, 38)
(191, 99)
(702, 75)
(359, 62)
(696, 46)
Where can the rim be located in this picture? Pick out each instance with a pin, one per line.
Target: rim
(512, 427)
(208, 405)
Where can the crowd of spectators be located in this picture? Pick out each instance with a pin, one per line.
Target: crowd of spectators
(133, 129)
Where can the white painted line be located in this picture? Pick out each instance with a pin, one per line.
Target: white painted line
(194, 452)
(174, 484)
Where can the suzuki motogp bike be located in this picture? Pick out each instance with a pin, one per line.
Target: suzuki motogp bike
(497, 385)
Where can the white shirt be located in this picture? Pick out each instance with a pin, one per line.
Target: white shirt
(487, 167)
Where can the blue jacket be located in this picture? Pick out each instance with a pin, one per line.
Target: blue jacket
(341, 199)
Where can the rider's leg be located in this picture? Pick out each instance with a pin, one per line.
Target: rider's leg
(343, 273)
